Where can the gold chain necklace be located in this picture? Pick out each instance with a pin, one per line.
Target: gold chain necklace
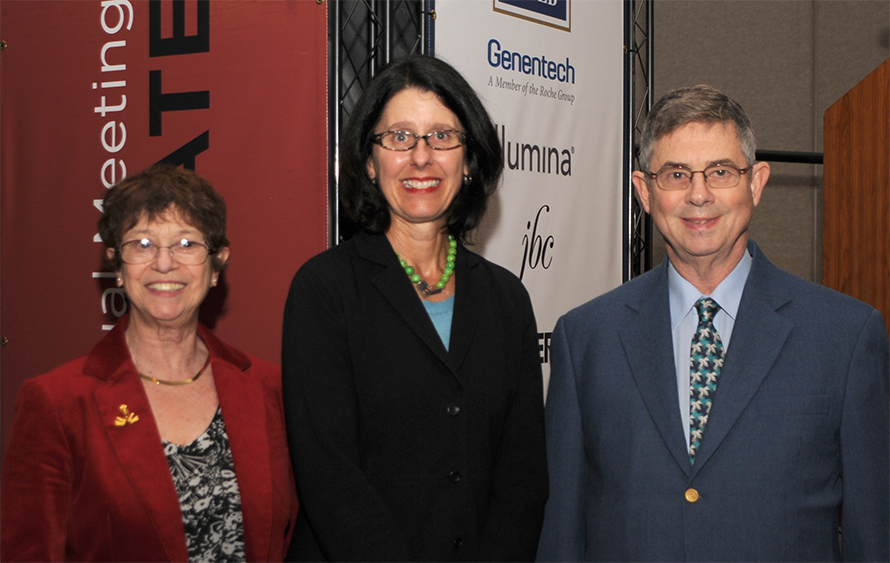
(157, 381)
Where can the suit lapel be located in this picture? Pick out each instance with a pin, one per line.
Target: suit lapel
(648, 345)
(244, 407)
(136, 443)
(757, 339)
(470, 295)
(389, 278)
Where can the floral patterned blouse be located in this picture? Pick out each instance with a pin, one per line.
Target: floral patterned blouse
(204, 475)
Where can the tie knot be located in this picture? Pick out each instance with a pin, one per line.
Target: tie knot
(706, 308)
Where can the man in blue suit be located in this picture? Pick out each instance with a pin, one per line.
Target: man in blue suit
(716, 408)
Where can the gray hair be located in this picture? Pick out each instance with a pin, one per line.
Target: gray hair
(696, 104)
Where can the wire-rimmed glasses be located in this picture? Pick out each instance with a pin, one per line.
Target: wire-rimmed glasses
(717, 176)
(143, 251)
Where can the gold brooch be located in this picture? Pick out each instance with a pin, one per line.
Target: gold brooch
(126, 417)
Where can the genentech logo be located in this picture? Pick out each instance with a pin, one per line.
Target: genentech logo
(554, 13)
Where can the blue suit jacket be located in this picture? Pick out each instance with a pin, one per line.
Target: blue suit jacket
(799, 426)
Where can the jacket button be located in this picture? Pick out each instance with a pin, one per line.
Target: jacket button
(691, 495)
(453, 409)
(458, 543)
(454, 476)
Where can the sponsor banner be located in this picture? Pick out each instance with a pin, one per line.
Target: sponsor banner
(555, 13)
(551, 74)
(95, 89)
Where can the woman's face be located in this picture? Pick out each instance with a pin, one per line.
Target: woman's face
(164, 291)
(418, 184)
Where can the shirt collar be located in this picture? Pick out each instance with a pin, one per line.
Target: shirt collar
(728, 294)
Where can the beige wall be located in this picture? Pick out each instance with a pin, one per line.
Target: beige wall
(786, 62)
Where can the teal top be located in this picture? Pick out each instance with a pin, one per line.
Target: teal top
(440, 313)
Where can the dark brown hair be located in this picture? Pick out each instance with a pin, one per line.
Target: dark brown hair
(155, 191)
(362, 199)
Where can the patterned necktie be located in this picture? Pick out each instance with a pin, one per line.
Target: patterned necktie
(705, 363)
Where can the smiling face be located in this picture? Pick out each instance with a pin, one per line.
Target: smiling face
(163, 291)
(419, 184)
(705, 229)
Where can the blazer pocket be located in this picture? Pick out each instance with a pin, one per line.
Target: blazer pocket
(802, 422)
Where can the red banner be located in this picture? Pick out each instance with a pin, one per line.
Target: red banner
(94, 89)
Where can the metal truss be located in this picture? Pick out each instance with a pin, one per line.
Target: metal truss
(638, 60)
(364, 36)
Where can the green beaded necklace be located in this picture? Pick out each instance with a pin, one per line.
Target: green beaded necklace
(426, 289)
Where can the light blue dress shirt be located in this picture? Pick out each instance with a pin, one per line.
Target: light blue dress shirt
(684, 322)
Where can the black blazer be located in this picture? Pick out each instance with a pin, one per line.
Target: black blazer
(403, 450)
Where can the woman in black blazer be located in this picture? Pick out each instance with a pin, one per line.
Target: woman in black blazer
(411, 375)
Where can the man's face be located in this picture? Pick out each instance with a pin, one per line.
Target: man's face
(703, 227)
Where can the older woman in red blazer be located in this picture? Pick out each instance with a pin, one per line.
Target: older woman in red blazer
(163, 443)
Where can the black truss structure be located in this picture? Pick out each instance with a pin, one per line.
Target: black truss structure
(638, 51)
(364, 35)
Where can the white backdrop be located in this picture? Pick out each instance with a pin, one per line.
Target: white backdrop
(551, 75)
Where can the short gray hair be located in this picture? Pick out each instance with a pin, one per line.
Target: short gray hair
(696, 104)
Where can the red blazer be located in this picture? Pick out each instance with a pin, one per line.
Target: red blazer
(84, 481)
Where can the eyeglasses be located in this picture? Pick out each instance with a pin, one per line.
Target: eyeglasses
(142, 251)
(717, 176)
(406, 140)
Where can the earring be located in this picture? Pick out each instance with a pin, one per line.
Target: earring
(213, 283)
(467, 180)
(120, 281)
